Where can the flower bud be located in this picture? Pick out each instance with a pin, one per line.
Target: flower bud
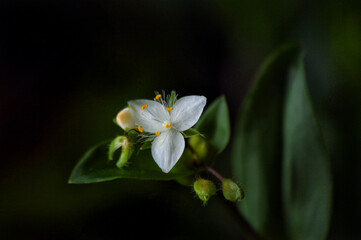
(200, 146)
(127, 151)
(115, 145)
(232, 191)
(125, 119)
(204, 189)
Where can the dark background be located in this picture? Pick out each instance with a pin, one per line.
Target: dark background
(67, 68)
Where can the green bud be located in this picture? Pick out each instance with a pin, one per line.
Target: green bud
(127, 151)
(200, 146)
(115, 145)
(232, 191)
(204, 189)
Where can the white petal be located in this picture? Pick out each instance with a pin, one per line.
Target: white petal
(152, 117)
(125, 119)
(187, 111)
(167, 148)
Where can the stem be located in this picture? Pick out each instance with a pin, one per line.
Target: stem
(215, 173)
(246, 227)
(249, 232)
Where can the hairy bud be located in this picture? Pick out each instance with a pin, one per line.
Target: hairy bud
(232, 191)
(204, 189)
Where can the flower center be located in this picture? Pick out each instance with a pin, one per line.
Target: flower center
(169, 109)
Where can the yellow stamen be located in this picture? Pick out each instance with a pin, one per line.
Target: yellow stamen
(158, 96)
(169, 108)
(144, 106)
(168, 125)
(157, 133)
(140, 129)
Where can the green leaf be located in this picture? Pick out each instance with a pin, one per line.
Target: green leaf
(215, 125)
(256, 152)
(306, 181)
(283, 191)
(95, 167)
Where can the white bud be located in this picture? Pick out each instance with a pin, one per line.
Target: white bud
(125, 119)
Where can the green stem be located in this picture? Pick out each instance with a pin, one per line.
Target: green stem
(214, 173)
(247, 229)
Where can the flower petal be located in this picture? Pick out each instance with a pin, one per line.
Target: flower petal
(167, 148)
(186, 112)
(149, 114)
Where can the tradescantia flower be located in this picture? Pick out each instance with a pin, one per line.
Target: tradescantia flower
(163, 120)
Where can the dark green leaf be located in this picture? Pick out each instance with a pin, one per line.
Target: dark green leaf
(258, 155)
(94, 166)
(215, 125)
(306, 171)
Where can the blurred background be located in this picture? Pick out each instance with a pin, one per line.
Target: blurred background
(67, 68)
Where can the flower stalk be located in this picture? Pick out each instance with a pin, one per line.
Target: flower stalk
(214, 173)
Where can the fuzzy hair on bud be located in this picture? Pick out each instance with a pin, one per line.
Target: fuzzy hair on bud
(204, 189)
(232, 191)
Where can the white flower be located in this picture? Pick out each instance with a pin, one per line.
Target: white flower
(163, 120)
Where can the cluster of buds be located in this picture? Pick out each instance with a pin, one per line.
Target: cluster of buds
(205, 189)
